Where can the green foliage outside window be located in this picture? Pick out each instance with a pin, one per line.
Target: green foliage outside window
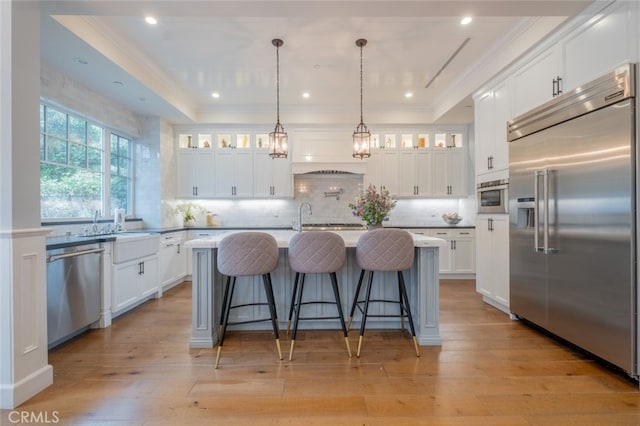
(72, 157)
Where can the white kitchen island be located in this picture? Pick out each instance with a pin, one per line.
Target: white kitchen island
(421, 279)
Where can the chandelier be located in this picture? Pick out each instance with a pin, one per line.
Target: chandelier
(278, 139)
(361, 136)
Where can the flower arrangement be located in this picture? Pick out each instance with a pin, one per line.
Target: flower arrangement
(187, 211)
(373, 206)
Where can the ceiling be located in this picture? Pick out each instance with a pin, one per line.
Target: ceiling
(199, 47)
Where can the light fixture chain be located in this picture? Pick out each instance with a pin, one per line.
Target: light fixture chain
(278, 84)
(361, 116)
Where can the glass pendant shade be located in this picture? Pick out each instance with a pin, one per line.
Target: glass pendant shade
(278, 139)
(361, 142)
(361, 136)
(278, 142)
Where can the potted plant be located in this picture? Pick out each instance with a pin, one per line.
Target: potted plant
(187, 213)
(373, 207)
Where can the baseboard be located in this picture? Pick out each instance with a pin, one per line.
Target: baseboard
(496, 305)
(12, 395)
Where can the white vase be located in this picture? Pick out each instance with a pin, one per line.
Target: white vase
(189, 223)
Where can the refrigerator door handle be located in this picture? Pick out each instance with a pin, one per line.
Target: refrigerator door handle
(545, 181)
(536, 210)
(545, 212)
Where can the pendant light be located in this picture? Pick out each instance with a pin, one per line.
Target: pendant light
(278, 139)
(361, 136)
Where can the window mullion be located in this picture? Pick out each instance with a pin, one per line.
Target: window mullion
(106, 167)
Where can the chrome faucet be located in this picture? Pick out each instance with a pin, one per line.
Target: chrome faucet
(298, 226)
(95, 221)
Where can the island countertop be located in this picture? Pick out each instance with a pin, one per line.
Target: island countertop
(284, 236)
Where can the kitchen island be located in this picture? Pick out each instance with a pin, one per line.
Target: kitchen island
(421, 279)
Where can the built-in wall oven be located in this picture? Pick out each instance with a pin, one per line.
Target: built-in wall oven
(493, 196)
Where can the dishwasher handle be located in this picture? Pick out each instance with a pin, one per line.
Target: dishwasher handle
(55, 257)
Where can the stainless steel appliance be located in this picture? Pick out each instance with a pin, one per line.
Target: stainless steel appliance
(73, 291)
(493, 196)
(572, 204)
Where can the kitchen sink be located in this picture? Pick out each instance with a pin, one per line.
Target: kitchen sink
(131, 234)
(134, 245)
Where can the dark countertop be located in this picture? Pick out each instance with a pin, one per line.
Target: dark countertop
(72, 241)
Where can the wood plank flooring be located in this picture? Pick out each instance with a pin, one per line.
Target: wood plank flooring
(489, 371)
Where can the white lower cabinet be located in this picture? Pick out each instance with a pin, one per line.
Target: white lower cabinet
(492, 254)
(173, 259)
(132, 282)
(458, 256)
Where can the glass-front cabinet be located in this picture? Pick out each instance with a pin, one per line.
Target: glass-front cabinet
(194, 140)
(229, 163)
(420, 164)
(235, 163)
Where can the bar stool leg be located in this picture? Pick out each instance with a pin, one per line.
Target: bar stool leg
(226, 309)
(408, 309)
(268, 288)
(297, 317)
(293, 298)
(400, 303)
(224, 304)
(336, 293)
(365, 312)
(355, 299)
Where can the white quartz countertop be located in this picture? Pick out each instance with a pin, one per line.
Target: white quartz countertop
(284, 236)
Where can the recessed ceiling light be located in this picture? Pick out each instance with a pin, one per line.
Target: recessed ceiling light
(408, 95)
(466, 20)
(150, 20)
(306, 95)
(215, 95)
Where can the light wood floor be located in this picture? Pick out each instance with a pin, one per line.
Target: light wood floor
(489, 370)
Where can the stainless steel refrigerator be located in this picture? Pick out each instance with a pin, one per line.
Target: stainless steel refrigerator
(572, 214)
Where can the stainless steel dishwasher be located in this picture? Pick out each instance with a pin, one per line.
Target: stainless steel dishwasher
(73, 291)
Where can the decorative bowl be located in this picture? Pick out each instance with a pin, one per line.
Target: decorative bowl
(451, 218)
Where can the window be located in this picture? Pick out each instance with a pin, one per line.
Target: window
(120, 172)
(73, 157)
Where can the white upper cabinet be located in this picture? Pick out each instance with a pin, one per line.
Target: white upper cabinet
(537, 82)
(492, 111)
(450, 165)
(601, 44)
(416, 173)
(233, 173)
(271, 177)
(382, 169)
(195, 177)
(450, 173)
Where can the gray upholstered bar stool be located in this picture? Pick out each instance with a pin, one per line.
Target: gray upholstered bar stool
(247, 254)
(384, 250)
(315, 252)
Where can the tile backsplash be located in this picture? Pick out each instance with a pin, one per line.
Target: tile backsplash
(329, 195)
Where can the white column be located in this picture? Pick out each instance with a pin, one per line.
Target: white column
(23, 326)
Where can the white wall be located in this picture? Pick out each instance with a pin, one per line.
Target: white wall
(23, 327)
